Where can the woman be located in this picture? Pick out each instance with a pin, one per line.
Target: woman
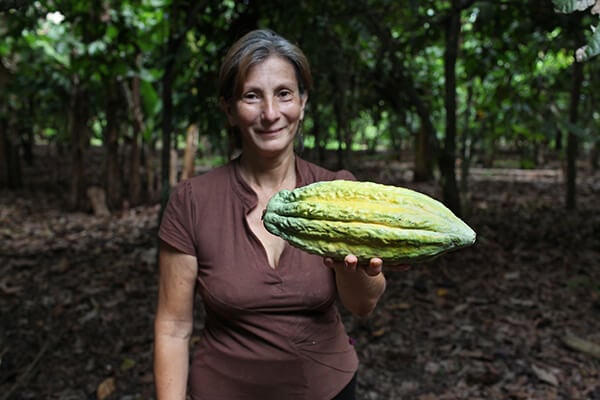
(272, 330)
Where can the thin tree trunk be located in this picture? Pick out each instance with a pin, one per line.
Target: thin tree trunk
(572, 142)
(465, 145)
(448, 153)
(167, 110)
(594, 155)
(11, 172)
(317, 152)
(340, 117)
(4, 76)
(4, 163)
(135, 108)
(191, 147)
(78, 120)
(111, 146)
(423, 167)
(152, 163)
(10, 145)
(27, 136)
(167, 127)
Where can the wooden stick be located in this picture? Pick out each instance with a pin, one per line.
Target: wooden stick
(25, 376)
(582, 345)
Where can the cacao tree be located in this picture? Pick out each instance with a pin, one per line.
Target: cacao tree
(382, 83)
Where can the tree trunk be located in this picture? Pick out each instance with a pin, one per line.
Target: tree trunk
(111, 147)
(340, 140)
(594, 155)
(152, 163)
(191, 146)
(10, 146)
(173, 173)
(3, 152)
(78, 120)
(318, 153)
(175, 40)
(135, 105)
(27, 136)
(10, 169)
(465, 148)
(339, 109)
(447, 158)
(4, 75)
(423, 167)
(572, 142)
(167, 109)
(426, 141)
(167, 127)
(3, 158)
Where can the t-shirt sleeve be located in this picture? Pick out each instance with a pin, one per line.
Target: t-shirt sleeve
(177, 220)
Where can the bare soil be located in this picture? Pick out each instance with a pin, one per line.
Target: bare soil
(516, 316)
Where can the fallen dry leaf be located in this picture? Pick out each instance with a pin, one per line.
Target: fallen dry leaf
(106, 388)
(544, 375)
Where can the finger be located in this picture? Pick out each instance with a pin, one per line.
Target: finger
(351, 259)
(328, 261)
(375, 266)
(351, 262)
(376, 262)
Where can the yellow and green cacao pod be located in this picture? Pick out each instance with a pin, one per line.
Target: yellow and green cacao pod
(367, 219)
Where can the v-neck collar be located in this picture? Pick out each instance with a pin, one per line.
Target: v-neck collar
(245, 191)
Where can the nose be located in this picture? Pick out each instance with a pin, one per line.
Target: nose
(270, 111)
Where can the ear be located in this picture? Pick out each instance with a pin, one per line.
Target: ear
(303, 101)
(228, 109)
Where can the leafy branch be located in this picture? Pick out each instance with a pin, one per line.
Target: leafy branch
(592, 48)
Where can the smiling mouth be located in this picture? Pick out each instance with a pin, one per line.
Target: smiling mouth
(270, 131)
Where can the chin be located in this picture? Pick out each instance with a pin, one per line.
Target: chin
(274, 147)
(274, 151)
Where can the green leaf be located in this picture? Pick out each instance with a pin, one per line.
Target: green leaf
(150, 98)
(127, 364)
(591, 49)
(5, 46)
(569, 6)
(96, 47)
(52, 53)
(111, 33)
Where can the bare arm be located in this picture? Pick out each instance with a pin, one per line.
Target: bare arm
(173, 322)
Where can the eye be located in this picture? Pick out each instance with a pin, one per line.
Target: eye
(286, 94)
(250, 97)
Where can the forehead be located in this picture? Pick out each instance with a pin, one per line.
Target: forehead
(272, 70)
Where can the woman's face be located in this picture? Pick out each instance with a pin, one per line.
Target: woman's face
(269, 109)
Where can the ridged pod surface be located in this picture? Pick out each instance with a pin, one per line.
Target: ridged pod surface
(367, 219)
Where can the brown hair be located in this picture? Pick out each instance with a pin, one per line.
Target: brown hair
(253, 48)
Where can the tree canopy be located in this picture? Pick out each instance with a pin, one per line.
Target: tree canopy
(451, 83)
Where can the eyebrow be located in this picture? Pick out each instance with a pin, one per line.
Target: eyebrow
(290, 85)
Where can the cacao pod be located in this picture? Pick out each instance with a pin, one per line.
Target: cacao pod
(366, 219)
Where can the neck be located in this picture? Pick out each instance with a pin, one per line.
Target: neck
(269, 174)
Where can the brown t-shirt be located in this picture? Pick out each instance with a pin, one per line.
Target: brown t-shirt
(268, 333)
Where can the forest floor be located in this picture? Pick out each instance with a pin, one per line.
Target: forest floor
(516, 316)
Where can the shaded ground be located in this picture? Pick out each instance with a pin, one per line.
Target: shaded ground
(77, 295)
